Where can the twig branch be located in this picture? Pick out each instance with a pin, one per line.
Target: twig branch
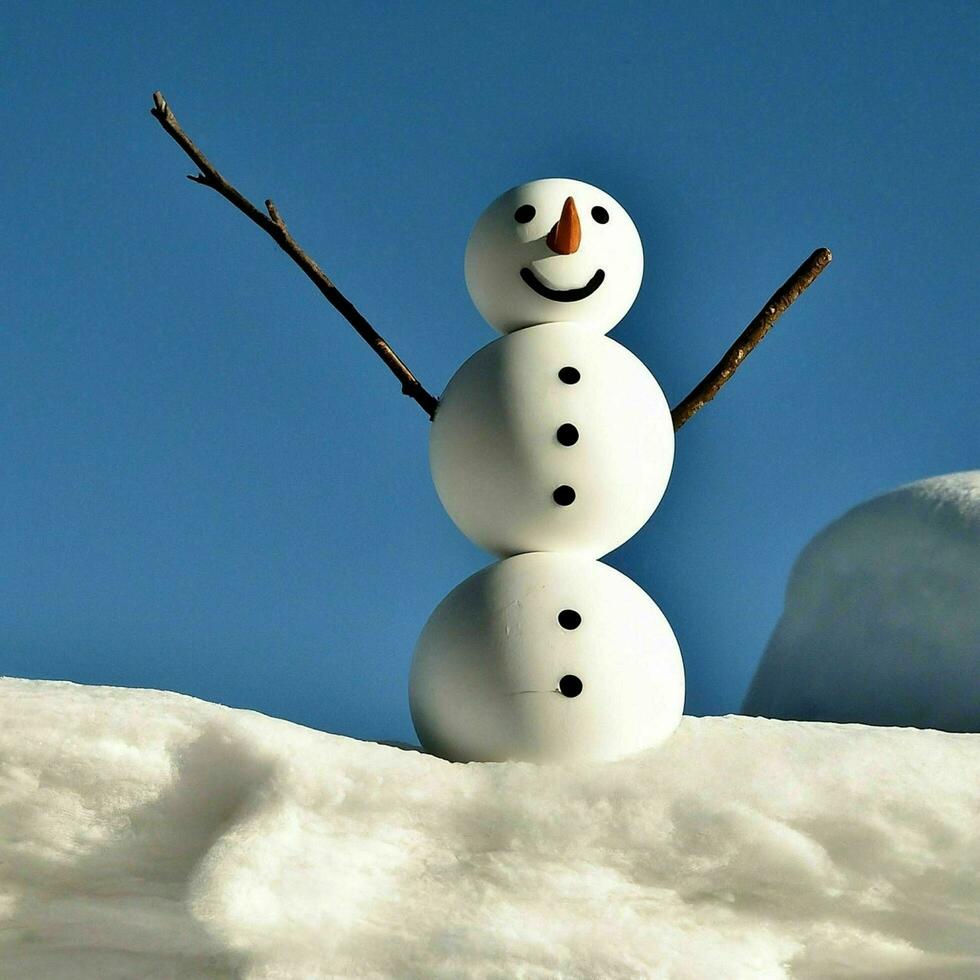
(274, 225)
(778, 304)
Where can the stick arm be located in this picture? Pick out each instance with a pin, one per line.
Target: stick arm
(762, 323)
(272, 223)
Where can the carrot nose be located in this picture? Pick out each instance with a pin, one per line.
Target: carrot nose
(566, 236)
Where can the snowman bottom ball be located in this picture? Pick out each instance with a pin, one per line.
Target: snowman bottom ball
(545, 657)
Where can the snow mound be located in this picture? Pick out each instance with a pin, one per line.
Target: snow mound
(882, 616)
(147, 834)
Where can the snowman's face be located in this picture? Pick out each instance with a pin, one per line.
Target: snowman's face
(554, 251)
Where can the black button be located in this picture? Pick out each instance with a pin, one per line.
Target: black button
(567, 434)
(563, 495)
(569, 619)
(569, 375)
(570, 686)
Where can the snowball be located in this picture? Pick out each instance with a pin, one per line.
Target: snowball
(545, 658)
(516, 279)
(882, 617)
(551, 439)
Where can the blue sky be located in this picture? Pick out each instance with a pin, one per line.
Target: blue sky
(211, 485)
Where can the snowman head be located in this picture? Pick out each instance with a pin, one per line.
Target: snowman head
(554, 251)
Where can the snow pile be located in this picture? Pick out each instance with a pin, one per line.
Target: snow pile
(882, 617)
(146, 834)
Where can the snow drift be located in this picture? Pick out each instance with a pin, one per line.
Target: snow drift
(882, 617)
(146, 834)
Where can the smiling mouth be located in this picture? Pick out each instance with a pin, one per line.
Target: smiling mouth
(563, 295)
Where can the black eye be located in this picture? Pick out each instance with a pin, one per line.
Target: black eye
(525, 213)
(600, 215)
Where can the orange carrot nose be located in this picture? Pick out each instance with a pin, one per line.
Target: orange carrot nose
(566, 236)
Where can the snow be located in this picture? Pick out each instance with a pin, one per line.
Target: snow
(882, 616)
(148, 834)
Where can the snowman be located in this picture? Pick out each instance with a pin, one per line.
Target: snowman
(550, 447)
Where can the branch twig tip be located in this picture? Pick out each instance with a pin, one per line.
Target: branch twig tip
(274, 214)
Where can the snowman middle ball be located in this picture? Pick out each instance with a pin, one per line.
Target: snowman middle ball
(545, 658)
(552, 438)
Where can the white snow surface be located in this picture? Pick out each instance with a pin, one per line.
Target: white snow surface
(882, 617)
(148, 834)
